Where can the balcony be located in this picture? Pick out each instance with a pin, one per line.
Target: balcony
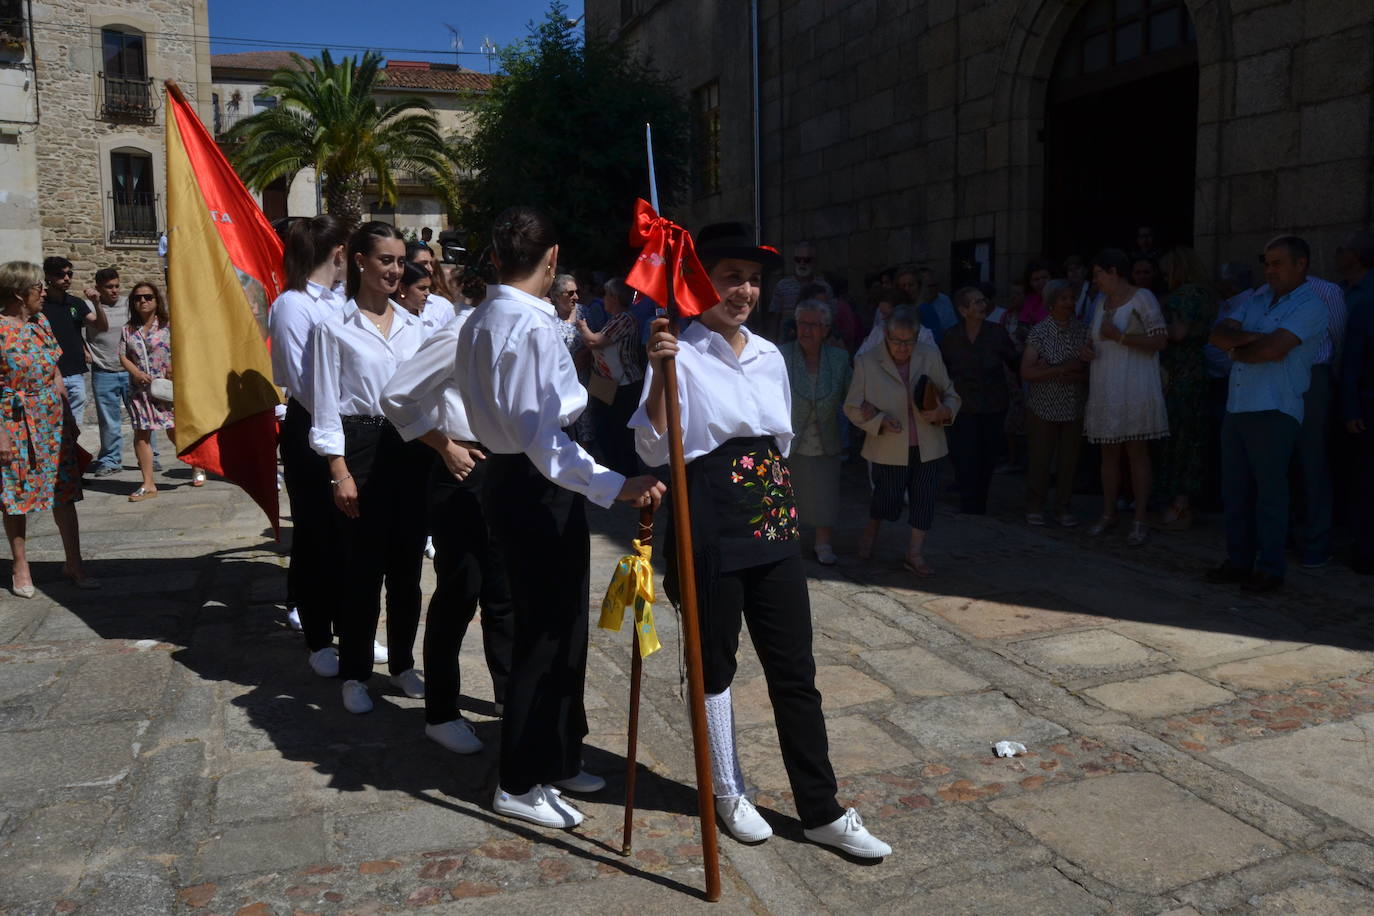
(226, 120)
(133, 216)
(125, 99)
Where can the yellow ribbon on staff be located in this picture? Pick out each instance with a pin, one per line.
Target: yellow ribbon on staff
(632, 586)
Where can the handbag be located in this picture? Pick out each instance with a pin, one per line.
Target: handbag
(160, 389)
(602, 388)
(925, 395)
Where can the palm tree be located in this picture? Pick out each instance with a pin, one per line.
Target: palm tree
(328, 119)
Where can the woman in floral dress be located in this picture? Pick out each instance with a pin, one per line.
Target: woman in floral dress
(38, 456)
(1189, 312)
(145, 349)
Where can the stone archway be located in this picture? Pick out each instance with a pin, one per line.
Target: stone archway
(1037, 33)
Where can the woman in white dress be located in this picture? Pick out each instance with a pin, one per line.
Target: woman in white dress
(1125, 396)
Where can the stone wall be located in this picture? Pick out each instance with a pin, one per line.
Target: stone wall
(74, 139)
(893, 127)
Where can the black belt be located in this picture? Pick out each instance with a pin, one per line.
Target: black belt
(363, 419)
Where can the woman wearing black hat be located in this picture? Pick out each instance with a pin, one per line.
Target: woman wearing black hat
(736, 430)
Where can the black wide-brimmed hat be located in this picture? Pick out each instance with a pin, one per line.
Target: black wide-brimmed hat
(735, 240)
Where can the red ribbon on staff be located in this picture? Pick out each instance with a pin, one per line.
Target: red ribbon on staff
(666, 251)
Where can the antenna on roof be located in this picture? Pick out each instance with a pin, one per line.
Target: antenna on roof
(489, 49)
(456, 43)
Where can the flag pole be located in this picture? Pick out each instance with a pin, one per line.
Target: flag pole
(687, 590)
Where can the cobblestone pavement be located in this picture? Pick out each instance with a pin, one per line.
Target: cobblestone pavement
(164, 747)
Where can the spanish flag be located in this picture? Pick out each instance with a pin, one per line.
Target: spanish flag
(223, 269)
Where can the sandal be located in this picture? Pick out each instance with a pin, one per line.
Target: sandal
(917, 564)
(1102, 525)
(141, 494)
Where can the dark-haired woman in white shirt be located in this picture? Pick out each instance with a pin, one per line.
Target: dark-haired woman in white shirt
(377, 478)
(736, 408)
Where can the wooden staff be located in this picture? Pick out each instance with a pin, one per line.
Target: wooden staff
(691, 629)
(646, 537)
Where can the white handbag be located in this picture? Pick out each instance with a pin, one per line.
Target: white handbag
(161, 388)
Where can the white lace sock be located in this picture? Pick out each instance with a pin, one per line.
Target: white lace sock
(726, 776)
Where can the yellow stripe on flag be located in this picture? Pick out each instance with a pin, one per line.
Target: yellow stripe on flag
(222, 372)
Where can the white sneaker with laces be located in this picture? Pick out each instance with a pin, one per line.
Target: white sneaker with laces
(293, 619)
(456, 735)
(411, 683)
(325, 662)
(742, 819)
(380, 656)
(429, 547)
(848, 833)
(540, 805)
(582, 783)
(356, 698)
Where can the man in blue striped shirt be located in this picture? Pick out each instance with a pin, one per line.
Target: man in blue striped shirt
(1272, 342)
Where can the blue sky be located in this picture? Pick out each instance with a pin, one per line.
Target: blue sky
(398, 31)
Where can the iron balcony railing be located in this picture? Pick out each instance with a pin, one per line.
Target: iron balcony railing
(133, 218)
(126, 99)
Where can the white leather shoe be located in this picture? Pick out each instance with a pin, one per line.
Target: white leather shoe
(325, 662)
(411, 683)
(456, 735)
(429, 547)
(742, 819)
(540, 805)
(849, 834)
(582, 783)
(293, 619)
(356, 698)
(379, 654)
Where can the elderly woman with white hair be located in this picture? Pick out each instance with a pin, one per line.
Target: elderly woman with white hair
(819, 376)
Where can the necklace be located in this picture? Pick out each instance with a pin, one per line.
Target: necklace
(381, 322)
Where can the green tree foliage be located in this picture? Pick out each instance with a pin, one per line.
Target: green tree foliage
(327, 117)
(563, 130)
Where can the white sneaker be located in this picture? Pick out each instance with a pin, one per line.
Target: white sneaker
(356, 698)
(411, 683)
(848, 833)
(379, 654)
(582, 783)
(742, 819)
(540, 805)
(429, 547)
(825, 555)
(293, 619)
(325, 662)
(456, 735)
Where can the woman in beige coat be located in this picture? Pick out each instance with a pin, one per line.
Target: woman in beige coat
(903, 443)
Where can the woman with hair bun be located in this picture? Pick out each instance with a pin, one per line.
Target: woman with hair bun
(314, 267)
(378, 480)
(520, 387)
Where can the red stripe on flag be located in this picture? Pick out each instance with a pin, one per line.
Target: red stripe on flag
(235, 452)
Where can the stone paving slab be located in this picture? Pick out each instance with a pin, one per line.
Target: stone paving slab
(1330, 767)
(1138, 832)
(165, 749)
(1160, 695)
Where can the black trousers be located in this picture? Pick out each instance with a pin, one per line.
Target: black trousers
(384, 546)
(541, 533)
(311, 578)
(468, 569)
(1363, 549)
(773, 600)
(976, 441)
(616, 439)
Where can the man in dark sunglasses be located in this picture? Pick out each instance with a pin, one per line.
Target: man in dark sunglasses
(69, 316)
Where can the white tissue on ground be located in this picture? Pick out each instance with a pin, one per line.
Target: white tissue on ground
(1009, 748)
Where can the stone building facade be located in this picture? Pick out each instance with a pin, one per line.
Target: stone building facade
(975, 135)
(88, 89)
(239, 81)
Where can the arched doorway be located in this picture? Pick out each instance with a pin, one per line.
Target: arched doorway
(1120, 128)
